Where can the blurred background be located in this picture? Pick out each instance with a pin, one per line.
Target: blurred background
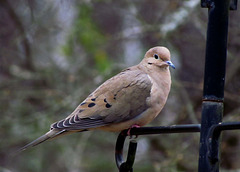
(55, 53)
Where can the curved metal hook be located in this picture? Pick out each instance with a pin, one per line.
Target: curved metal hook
(125, 166)
(187, 128)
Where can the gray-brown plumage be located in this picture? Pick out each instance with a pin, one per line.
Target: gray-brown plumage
(133, 97)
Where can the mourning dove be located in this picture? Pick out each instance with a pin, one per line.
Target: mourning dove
(133, 97)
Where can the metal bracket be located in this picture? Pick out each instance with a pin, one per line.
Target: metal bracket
(212, 141)
(213, 137)
(210, 4)
(127, 166)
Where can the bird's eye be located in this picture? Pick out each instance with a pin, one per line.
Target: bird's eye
(156, 56)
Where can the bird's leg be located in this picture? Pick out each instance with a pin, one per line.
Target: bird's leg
(133, 126)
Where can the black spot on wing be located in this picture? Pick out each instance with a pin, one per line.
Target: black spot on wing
(91, 104)
(81, 110)
(83, 103)
(93, 99)
(108, 105)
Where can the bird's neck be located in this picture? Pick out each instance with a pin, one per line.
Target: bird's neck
(160, 76)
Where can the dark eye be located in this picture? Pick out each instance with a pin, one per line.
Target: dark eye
(156, 56)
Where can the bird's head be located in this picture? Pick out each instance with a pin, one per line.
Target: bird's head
(158, 56)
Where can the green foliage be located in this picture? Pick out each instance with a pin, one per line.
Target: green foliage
(87, 34)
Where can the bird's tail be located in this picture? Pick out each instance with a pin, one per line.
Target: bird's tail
(49, 135)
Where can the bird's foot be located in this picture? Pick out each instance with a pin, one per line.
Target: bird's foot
(133, 126)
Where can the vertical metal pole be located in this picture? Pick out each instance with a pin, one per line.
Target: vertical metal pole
(214, 76)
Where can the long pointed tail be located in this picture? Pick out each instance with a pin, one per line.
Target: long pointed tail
(49, 135)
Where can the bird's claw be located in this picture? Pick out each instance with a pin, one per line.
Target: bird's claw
(129, 130)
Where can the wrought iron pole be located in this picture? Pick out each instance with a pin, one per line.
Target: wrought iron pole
(214, 79)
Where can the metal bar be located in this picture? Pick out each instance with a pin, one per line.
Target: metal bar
(119, 149)
(150, 130)
(214, 78)
(212, 140)
(188, 128)
(207, 3)
(225, 126)
(214, 136)
(233, 4)
(127, 166)
(211, 114)
(216, 51)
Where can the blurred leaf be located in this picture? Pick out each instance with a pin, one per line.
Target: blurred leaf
(87, 34)
(102, 61)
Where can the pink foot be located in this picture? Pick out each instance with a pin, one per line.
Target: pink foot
(133, 126)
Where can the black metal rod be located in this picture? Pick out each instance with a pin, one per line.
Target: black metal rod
(216, 50)
(119, 149)
(128, 165)
(131, 154)
(212, 140)
(233, 4)
(207, 3)
(214, 136)
(214, 78)
(187, 128)
(150, 130)
(225, 126)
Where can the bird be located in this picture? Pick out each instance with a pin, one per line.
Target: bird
(132, 98)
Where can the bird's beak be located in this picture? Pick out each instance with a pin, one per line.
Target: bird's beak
(170, 64)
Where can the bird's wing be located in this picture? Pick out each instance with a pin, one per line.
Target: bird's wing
(119, 99)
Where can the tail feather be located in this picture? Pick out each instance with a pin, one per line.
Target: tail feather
(49, 135)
